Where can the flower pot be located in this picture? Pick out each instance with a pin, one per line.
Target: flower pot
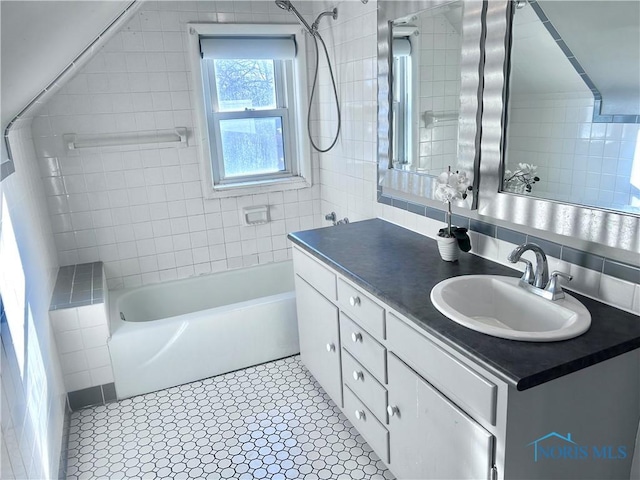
(448, 248)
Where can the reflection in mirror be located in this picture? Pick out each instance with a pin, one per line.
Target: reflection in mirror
(429, 66)
(573, 131)
(426, 88)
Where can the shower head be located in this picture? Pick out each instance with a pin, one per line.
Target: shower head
(286, 5)
(313, 29)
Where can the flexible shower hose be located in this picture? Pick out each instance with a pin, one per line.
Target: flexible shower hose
(317, 36)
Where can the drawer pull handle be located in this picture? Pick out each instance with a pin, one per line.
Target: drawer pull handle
(354, 301)
(331, 347)
(358, 375)
(356, 337)
(360, 415)
(393, 410)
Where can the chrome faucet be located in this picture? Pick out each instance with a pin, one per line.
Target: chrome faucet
(541, 276)
(539, 282)
(331, 217)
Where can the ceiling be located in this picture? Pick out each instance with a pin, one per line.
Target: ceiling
(604, 36)
(40, 38)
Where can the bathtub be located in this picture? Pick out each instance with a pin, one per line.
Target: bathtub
(177, 332)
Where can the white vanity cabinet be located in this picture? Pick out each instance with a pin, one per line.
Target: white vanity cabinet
(429, 411)
(318, 323)
(430, 436)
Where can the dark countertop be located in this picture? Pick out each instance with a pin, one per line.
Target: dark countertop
(401, 267)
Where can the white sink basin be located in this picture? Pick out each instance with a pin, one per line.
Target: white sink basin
(497, 306)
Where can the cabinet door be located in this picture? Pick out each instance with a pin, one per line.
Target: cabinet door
(430, 437)
(319, 338)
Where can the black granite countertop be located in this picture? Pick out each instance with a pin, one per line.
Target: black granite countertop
(401, 267)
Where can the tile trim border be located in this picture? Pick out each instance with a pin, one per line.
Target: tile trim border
(88, 397)
(613, 268)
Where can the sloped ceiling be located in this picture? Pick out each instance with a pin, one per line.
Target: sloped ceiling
(40, 38)
(538, 66)
(604, 36)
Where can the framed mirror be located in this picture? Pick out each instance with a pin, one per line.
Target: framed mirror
(559, 145)
(429, 86)
(573, 104)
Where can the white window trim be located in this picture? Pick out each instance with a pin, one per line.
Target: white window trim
(301, 150)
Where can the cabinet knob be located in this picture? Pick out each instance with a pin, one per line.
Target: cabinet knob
(392, 410)
(358, 375)
(360, 414)
(356, 337)
(331, 347)
(354, 301)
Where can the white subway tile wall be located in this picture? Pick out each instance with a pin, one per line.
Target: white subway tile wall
(140, 209)
(348, 174)
(439, 74)
(33, 394)
(578, 161)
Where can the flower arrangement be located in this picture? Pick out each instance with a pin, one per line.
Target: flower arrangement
(522, 179)
(452, 187)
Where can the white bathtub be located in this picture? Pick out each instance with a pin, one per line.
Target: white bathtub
(177, 332)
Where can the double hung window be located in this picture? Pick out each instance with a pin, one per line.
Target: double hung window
(253, 88)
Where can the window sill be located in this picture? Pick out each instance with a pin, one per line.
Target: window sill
(254, 188)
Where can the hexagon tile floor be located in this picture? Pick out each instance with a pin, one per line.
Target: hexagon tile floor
(269, 421)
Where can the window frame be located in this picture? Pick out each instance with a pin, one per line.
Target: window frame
(291, 107)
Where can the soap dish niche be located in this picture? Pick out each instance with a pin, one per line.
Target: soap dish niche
(255, 215)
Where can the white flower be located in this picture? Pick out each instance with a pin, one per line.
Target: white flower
(446, 193)
(527, 168)
(451, 186)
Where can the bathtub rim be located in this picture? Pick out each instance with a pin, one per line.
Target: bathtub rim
(117, 325)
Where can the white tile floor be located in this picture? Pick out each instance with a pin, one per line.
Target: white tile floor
(269, 421)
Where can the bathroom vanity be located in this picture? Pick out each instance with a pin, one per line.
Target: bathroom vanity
(436, 400)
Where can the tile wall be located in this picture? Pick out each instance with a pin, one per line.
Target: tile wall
(80, 322)
(140, 209)
(348, 174)
(33, 395)
(439, 74)
(578, 161)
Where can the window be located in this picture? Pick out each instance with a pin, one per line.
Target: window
(402, 100)
(253, 94)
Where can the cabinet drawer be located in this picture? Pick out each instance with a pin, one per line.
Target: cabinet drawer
(363, 347)
(369, 427)
(319, 276)
(465, 387)
(365, 386)
(361, 309)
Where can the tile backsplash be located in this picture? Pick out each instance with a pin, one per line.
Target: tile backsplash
(615, 283)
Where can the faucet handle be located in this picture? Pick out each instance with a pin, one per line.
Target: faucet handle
(554, 287)
(527, 276)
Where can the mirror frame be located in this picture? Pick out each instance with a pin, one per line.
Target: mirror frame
(606, 227)
(393, 183)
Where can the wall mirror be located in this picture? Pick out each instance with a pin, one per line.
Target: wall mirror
(583, 140)
(429, 71)
(573, 103)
